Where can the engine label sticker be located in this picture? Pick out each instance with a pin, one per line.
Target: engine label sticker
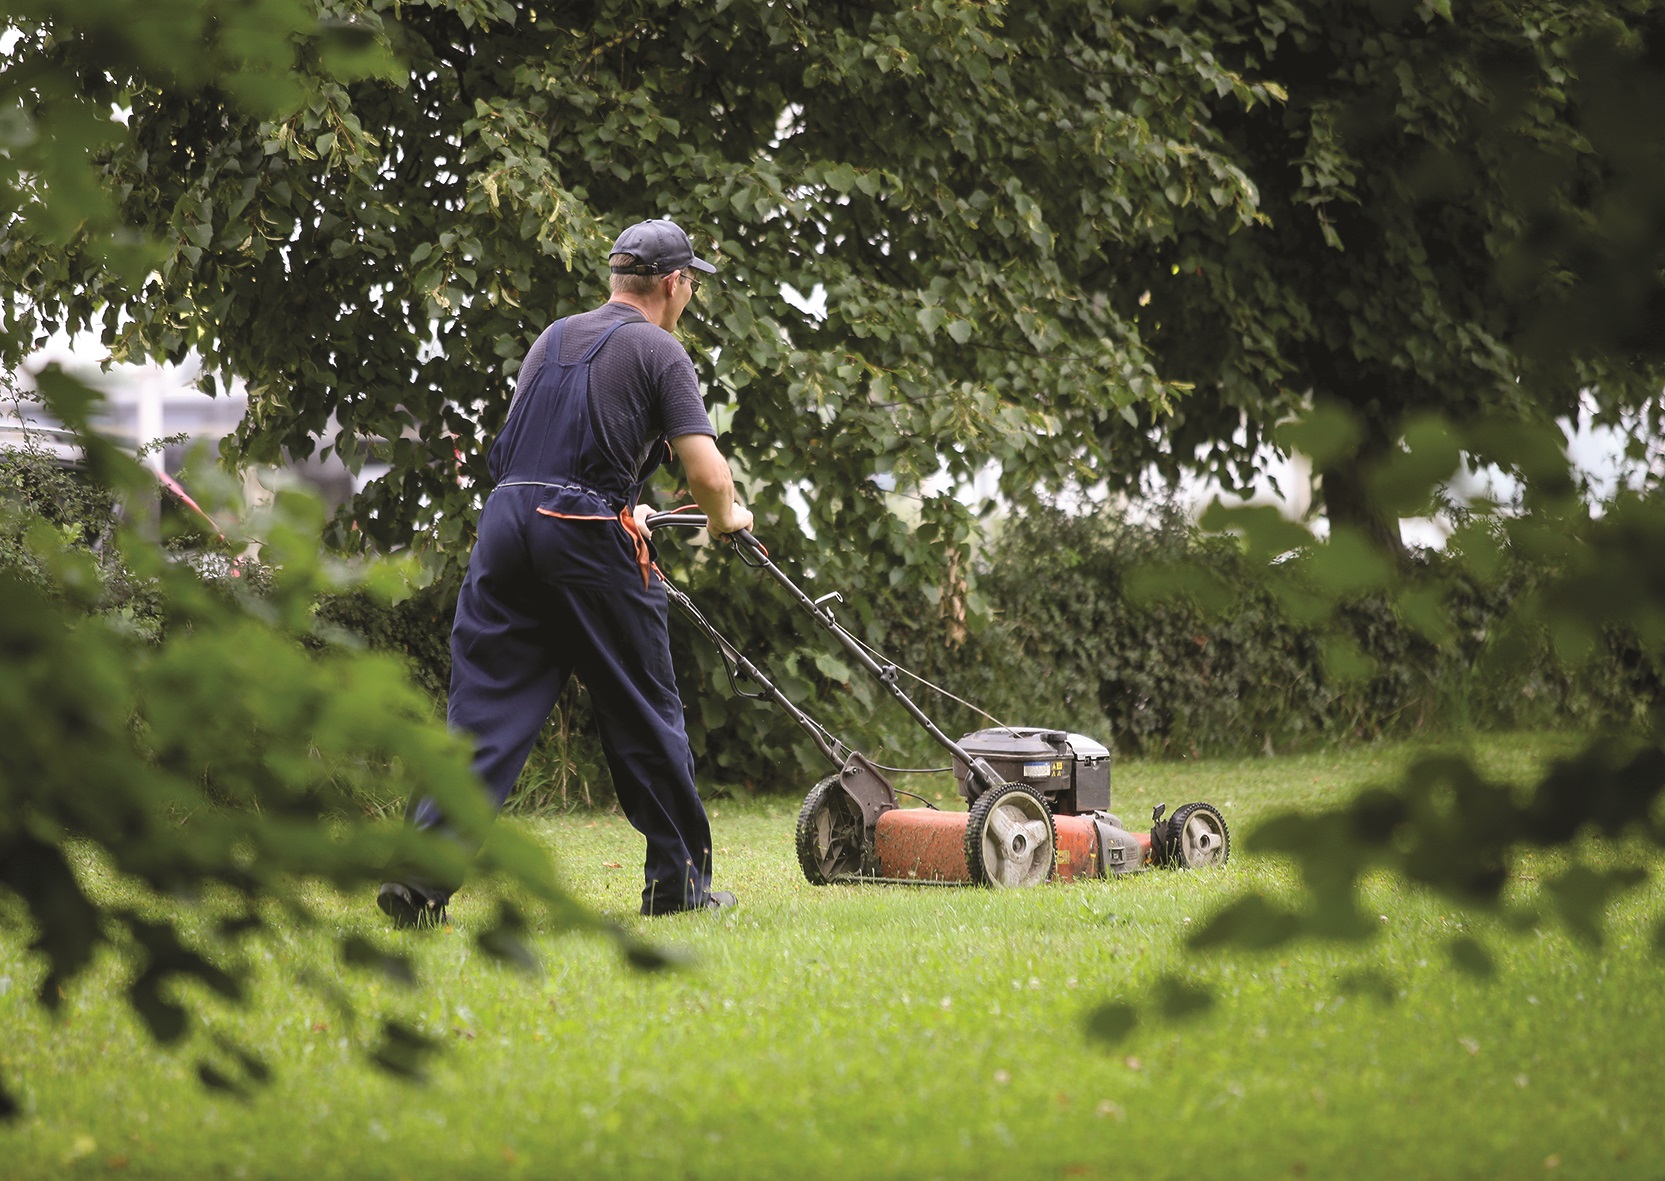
(1037, 770)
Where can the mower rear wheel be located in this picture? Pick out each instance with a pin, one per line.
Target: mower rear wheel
(831, 837)
(1010, 839)
(1197, 837)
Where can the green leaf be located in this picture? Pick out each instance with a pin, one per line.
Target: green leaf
(1268, 532)
(1328, 433)
(832, 668)
(1111, 1023)
(1348, 564)
(505, 941)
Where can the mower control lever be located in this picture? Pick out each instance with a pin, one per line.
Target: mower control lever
(753, 554)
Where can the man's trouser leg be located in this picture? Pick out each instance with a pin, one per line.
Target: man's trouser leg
(523, 625)
(506, 676)
(624, 659)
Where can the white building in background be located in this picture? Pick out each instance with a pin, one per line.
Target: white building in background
(145, 404)
(150, 402)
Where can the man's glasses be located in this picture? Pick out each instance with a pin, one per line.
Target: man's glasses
(693, 280)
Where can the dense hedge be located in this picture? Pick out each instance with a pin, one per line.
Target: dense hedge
(1177, 645)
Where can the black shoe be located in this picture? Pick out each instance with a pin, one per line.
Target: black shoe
(409, 908)
(715, 900)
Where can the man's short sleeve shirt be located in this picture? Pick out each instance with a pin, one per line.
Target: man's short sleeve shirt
(643, 388)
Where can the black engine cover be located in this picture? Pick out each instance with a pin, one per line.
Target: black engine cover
(1070, 770)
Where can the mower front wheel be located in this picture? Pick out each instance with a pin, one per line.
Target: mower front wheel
(1197, 837)
(1010, 839)
(831, 837)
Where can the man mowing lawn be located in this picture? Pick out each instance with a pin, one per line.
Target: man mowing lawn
(561, 579)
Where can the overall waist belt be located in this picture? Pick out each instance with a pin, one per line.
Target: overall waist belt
(552, 484)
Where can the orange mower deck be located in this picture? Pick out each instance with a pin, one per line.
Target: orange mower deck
(926, 845)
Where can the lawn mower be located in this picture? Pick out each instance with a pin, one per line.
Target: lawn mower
(1038, 798)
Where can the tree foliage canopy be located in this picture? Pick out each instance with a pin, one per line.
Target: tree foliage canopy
(956, 181)
(1073, 239)
(1461, 213)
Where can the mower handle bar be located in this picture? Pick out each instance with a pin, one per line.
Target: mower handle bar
(697, 521)
(753, 554)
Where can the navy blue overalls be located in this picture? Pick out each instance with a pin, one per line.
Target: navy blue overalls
(559, 582)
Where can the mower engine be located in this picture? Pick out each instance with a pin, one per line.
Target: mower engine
(1070, 771)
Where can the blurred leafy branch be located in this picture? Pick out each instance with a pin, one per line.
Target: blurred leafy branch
(1550, 179)
(199, 737)
(210, 743)
(1599, 570)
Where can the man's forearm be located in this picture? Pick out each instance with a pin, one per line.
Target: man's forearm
(711, 483)
(715, 496)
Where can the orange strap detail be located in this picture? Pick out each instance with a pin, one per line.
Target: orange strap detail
(644, 559)
(571, 516)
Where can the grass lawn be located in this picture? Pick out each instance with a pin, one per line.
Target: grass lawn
(853, 1032)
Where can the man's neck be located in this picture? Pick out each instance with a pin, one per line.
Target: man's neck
(653, 310)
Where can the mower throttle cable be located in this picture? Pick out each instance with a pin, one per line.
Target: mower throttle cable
(751, 552)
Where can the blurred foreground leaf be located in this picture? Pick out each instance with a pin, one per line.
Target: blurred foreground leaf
(217, 764)
(1111, 1023)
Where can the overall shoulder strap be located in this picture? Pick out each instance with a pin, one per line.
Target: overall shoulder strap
(603, 339)
(551, 362)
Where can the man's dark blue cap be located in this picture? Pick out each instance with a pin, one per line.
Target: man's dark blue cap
(659, 247)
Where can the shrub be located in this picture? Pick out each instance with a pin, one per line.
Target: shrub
(1191, 648)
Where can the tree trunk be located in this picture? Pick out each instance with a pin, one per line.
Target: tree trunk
(1348, 504)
